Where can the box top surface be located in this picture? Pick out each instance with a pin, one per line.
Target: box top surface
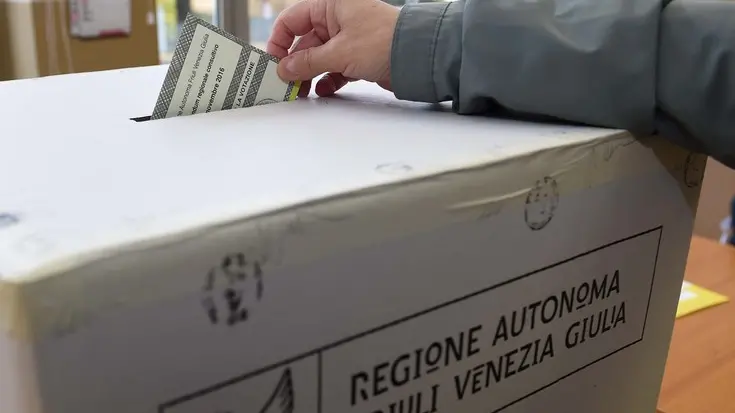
(80, 175)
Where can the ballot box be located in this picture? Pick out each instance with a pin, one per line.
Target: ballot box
(355, 254)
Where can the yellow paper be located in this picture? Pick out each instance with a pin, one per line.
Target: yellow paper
(294, 91)
(694, 298)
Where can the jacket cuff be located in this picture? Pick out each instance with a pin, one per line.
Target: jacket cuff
(414, 50)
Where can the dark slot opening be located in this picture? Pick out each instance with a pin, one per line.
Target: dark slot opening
(141, 118)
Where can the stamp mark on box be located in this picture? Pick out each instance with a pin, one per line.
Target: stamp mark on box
(541, 203)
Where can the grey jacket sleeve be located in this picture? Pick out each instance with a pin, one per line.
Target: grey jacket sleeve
(649, 66)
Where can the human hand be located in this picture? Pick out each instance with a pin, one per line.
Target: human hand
(346, 39)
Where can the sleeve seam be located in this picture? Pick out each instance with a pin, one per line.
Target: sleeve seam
(434, 43)
(396, 39)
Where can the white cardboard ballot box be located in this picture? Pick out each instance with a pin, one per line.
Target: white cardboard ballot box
(347, 255)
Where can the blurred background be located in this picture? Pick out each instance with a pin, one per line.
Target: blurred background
(260, 16)
(48, 37)
(260, 13)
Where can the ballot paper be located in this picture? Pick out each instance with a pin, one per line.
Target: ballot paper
(212, 70)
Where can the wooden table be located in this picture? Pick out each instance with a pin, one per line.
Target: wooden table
(700, 371)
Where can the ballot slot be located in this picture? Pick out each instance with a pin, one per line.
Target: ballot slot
(141, 118)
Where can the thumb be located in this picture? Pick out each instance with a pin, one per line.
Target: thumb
(309, 63)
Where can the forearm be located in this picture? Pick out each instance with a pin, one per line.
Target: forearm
(696, 77)
(629, 64)
(585, 61)
(427, 52)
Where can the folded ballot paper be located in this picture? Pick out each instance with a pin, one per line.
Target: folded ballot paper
(212, 70)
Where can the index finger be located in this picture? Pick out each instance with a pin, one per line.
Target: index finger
(292, 22)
